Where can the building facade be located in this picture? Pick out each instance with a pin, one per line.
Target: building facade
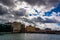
(16, 26)
(30, 29)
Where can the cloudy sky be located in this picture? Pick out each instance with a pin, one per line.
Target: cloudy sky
(41, 13)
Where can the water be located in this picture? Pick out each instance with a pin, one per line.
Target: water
(27, 36)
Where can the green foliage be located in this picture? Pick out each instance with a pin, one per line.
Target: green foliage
(5, 28)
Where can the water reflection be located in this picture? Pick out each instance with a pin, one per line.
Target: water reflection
(28, 36)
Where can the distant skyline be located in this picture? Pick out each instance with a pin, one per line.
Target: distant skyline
(32, 12)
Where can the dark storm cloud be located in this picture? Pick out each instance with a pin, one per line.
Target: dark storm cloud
(54, 2)
(2, 20)
(7, 2)
(39, 19)
(50, 21)
(3, 10)
(41, 2)
(34, 2)
(21, 12)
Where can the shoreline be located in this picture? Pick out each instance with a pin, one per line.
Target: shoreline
(2, 33)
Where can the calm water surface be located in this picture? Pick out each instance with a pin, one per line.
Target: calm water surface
(27, 36)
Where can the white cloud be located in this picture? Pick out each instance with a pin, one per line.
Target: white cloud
(53, 26)
(11, 17)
